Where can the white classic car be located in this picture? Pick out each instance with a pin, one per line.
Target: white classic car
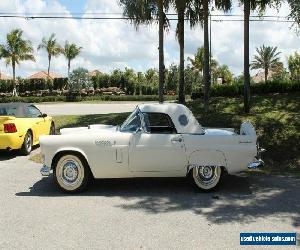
(156, 140)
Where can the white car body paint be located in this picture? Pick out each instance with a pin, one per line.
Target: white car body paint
(111, 153)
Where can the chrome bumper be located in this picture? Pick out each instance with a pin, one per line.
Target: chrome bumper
(256, 164)
(45, 171)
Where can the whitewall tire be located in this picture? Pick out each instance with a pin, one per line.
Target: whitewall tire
(71, 173)
(207, 178)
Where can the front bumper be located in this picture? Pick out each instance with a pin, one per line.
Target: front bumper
(45, 171)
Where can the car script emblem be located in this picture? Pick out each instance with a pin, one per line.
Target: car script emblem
(103, 143)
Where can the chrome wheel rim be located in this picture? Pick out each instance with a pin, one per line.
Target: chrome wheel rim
(28, 142)
(70, 172)
(207, 177)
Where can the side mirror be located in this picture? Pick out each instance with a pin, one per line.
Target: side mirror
(44, 115)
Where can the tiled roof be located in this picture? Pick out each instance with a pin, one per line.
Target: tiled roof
(4, 77)
(44, 75)
(94, 72)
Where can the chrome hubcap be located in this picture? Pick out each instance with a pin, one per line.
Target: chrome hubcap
(207, 176)
(70, 172)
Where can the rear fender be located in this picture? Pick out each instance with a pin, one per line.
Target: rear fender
(206, 158)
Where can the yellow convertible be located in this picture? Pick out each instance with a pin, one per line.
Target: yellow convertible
(21, 125)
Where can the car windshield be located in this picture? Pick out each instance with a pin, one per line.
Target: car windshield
(132, 123)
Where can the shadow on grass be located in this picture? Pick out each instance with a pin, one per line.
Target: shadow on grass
(240, 199)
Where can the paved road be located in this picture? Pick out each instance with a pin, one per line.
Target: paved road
(140, 214)
(86, 108)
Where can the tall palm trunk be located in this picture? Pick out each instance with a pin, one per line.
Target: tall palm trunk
(69, 66)
(181, 96)
(14, 93)
(49, 61)
(161, 51)
(206, 75)
(246, 57)
(266, 74)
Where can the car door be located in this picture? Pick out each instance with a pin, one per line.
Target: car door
(38, 122)
(158, 148)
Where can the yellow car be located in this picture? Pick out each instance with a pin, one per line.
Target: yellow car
(21, 125)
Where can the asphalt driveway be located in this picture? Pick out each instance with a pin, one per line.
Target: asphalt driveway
(140, 213)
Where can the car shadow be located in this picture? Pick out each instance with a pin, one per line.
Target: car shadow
(241, 198)
(6, 155)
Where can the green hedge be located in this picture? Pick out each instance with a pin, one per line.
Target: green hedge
(87, 98)
(256, 88)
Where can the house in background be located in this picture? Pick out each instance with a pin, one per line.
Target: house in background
(94, 73)
(5, 77)
(44, 75)
(260, 76)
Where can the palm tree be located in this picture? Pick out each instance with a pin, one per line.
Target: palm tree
(294, 66)
(295, 10)
(197, 63)
(267, 58)
(199, 13)
(180, 7)
(14, 51)
(71, 51)
(145, 12)
(248, 6)
(52, 47)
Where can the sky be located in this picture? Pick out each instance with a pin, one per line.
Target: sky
(113, 44)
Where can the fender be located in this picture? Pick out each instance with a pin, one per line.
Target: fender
(206, 157)
(70, 149)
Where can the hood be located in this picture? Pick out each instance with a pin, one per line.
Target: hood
(215, 131)
(90, 129)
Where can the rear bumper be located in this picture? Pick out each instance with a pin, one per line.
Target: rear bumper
(11, 141)
(256, 164)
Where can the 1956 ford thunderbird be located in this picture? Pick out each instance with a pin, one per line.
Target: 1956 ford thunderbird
(156, 140)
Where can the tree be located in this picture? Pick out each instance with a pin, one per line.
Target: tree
(294, 66)
(267, 58)
(52, 47)
(198, 61)
(15, 51)
(201, 9)
(71, 51)
(79, 79)
(145, 12)
(224, 73)
(249, 5)
(295, 11)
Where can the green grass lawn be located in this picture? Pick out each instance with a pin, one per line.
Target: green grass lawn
(276, 118)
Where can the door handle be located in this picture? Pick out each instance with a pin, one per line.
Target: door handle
(177, 139)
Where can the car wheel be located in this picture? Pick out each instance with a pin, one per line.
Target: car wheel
(207, 178)
(52, 129)
(71, 174)
(27, 144)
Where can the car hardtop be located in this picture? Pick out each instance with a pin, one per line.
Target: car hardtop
(183, 119)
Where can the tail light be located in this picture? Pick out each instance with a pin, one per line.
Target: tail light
(10, 128)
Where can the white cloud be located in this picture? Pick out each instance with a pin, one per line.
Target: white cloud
(110, 44)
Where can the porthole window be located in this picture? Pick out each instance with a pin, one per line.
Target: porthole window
(183, 120)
